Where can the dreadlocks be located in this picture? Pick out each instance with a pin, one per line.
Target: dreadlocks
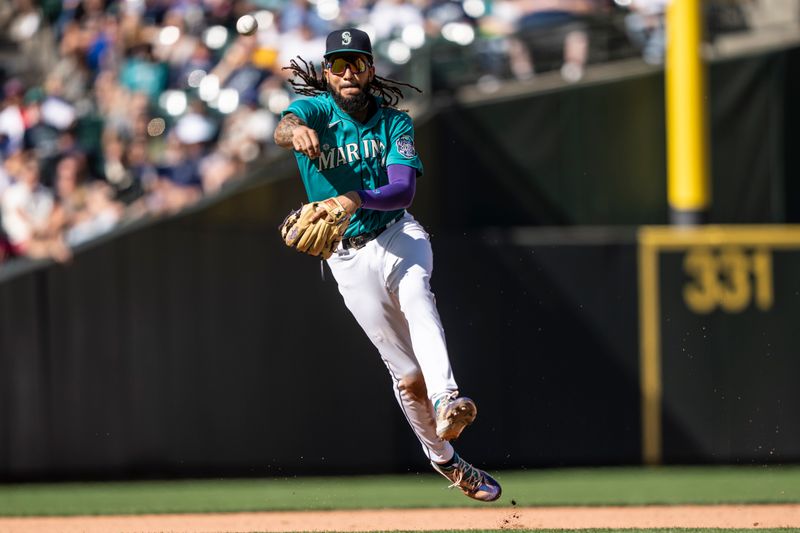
(312, 84)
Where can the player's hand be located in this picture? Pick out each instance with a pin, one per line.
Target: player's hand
(351, 201)
(306, 141)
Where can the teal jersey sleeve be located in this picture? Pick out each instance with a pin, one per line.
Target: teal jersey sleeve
(312, 111)
(400, 148)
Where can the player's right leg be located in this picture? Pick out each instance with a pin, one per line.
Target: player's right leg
(472, 481)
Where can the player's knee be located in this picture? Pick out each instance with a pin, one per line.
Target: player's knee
(418, 304)
(415, 281)
(415, 293)
(413, 386)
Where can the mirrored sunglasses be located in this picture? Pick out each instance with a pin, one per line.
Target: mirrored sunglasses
(357, 65)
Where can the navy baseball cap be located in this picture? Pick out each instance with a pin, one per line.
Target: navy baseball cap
(348, 40)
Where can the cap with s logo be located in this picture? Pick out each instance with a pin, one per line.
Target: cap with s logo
(350, 40)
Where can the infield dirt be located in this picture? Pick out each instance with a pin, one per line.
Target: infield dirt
(718, 516)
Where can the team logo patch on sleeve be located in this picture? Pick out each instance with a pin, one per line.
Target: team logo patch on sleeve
(405, 145)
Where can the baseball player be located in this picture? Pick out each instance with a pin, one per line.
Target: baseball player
(355, 152)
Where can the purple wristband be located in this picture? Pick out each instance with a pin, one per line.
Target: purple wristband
(397, 194)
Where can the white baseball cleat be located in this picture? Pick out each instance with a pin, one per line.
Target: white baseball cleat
(453, 414)
(472, 481)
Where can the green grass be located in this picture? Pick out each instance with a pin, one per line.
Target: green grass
(604, 486)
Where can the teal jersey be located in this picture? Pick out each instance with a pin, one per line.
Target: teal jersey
(354, 156)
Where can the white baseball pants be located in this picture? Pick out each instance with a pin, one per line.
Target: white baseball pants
(386, 285)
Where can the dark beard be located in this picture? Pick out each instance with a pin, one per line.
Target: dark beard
(351, 105)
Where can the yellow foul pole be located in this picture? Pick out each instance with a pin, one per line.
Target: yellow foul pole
(688, 192)
(689, 187)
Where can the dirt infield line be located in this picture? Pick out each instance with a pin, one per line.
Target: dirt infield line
(721, 516)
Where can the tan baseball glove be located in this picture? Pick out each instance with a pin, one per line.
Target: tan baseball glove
(318, 238)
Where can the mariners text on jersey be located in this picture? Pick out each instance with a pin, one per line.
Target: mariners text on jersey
(332, 157)
(354, 155)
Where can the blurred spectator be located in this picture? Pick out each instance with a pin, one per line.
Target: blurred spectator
(645, 27)
(143, 172)
(86, 209)
(236, 71)
(28, 29)
(12, 119)
(298, 14)
(724, 16)
(196, 66)
(244, 134)
(41, 138)
(217, 170)
(390, 17)
(71, 76)
(69, 188)
(29, 215)
(141, 72)
(120, 173)
(179, 180)
(178, 49)
(5, 178)
(6, 249)
(555, 33)
(302, 42)
(772, 15)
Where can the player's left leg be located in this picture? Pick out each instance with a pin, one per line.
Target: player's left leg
(409, 268)
(359, 276)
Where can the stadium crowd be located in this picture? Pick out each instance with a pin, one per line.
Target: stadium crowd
(117, 109)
